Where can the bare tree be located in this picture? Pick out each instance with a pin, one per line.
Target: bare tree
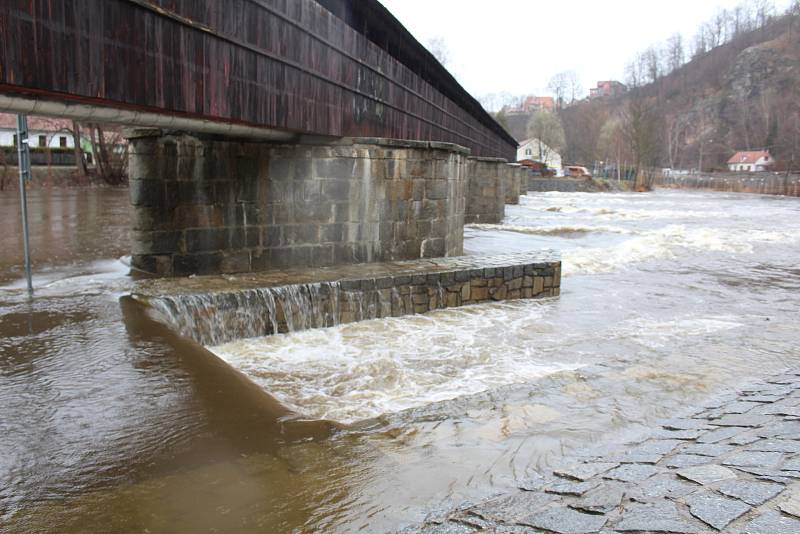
(110, 154)
(717, 28)
(438, 48)
(794, 13)
(574, 86)
(633, 72)
(700, 43)
(559, 85)
(675, 54)
(641, 134)
(546, 127)
(763, 10)
(611, 143)
(651, 64)
(566, 88)
(675, 129)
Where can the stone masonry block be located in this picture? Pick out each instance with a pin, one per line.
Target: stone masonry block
(436, 189)
(335, 190)
(147, 192)
(206, 240)
(338, 168)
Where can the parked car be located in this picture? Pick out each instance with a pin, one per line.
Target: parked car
(575, 171)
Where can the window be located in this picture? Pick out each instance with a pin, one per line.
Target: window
(42, 141)
(62, 141)
(528, 151)
(15, 139)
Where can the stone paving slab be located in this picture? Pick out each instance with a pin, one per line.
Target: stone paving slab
(743, 478)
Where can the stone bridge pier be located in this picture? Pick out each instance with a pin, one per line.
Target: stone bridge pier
(513, 183)
(486, 197)
(209, 205)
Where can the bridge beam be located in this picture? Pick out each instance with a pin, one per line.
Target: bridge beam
(205, 205)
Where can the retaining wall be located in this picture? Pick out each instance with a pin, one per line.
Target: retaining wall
(565, 185)
(208, 206)
(215, 310)
(760, 183)
(486, 196)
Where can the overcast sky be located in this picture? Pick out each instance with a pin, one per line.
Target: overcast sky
(517, 45)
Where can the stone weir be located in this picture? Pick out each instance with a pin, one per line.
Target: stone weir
(218, 309)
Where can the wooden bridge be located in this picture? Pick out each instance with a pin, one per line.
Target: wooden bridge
(267, 134)
(253, 68)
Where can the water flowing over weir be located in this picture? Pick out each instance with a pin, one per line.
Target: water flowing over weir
(215, 310)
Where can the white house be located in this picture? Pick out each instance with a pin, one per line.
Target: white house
(42, 132)
(538, 151)
(751, 161)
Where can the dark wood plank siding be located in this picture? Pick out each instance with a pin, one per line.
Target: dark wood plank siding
(285, 64)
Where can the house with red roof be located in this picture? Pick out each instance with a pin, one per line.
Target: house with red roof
(607, 89)
(751, 161)
(43, 132)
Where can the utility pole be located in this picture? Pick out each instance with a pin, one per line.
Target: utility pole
(24, 163)
(700, 163)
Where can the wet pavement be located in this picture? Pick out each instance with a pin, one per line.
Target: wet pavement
(732, 466)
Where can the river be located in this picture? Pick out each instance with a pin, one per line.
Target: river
(111, 424)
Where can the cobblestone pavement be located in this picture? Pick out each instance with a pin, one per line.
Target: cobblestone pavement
(734, 466)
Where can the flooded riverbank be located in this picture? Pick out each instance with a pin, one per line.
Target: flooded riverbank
(109, 424)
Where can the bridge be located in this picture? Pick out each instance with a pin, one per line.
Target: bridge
(265, 133)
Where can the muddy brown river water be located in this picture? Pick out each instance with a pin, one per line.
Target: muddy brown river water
(110, 423)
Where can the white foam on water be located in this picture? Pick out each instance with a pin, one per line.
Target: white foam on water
(668, 242)
(656, 334)
(553, 230)
(357, 371)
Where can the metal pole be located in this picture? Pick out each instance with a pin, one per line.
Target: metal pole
(24, 163)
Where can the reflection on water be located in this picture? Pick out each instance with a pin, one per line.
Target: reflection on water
(110, 423)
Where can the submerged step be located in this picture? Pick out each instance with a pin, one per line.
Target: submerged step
(219, 309)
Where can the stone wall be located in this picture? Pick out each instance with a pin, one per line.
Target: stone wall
(512, 183)
(222, 206)
(566, 185)
(486, 197)
(219, 311)
(759, 183)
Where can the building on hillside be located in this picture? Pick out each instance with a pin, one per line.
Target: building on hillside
(536, 103)
(751, 161)
(530, 104)
(42, 132)
(534, 149)
(607, 89)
